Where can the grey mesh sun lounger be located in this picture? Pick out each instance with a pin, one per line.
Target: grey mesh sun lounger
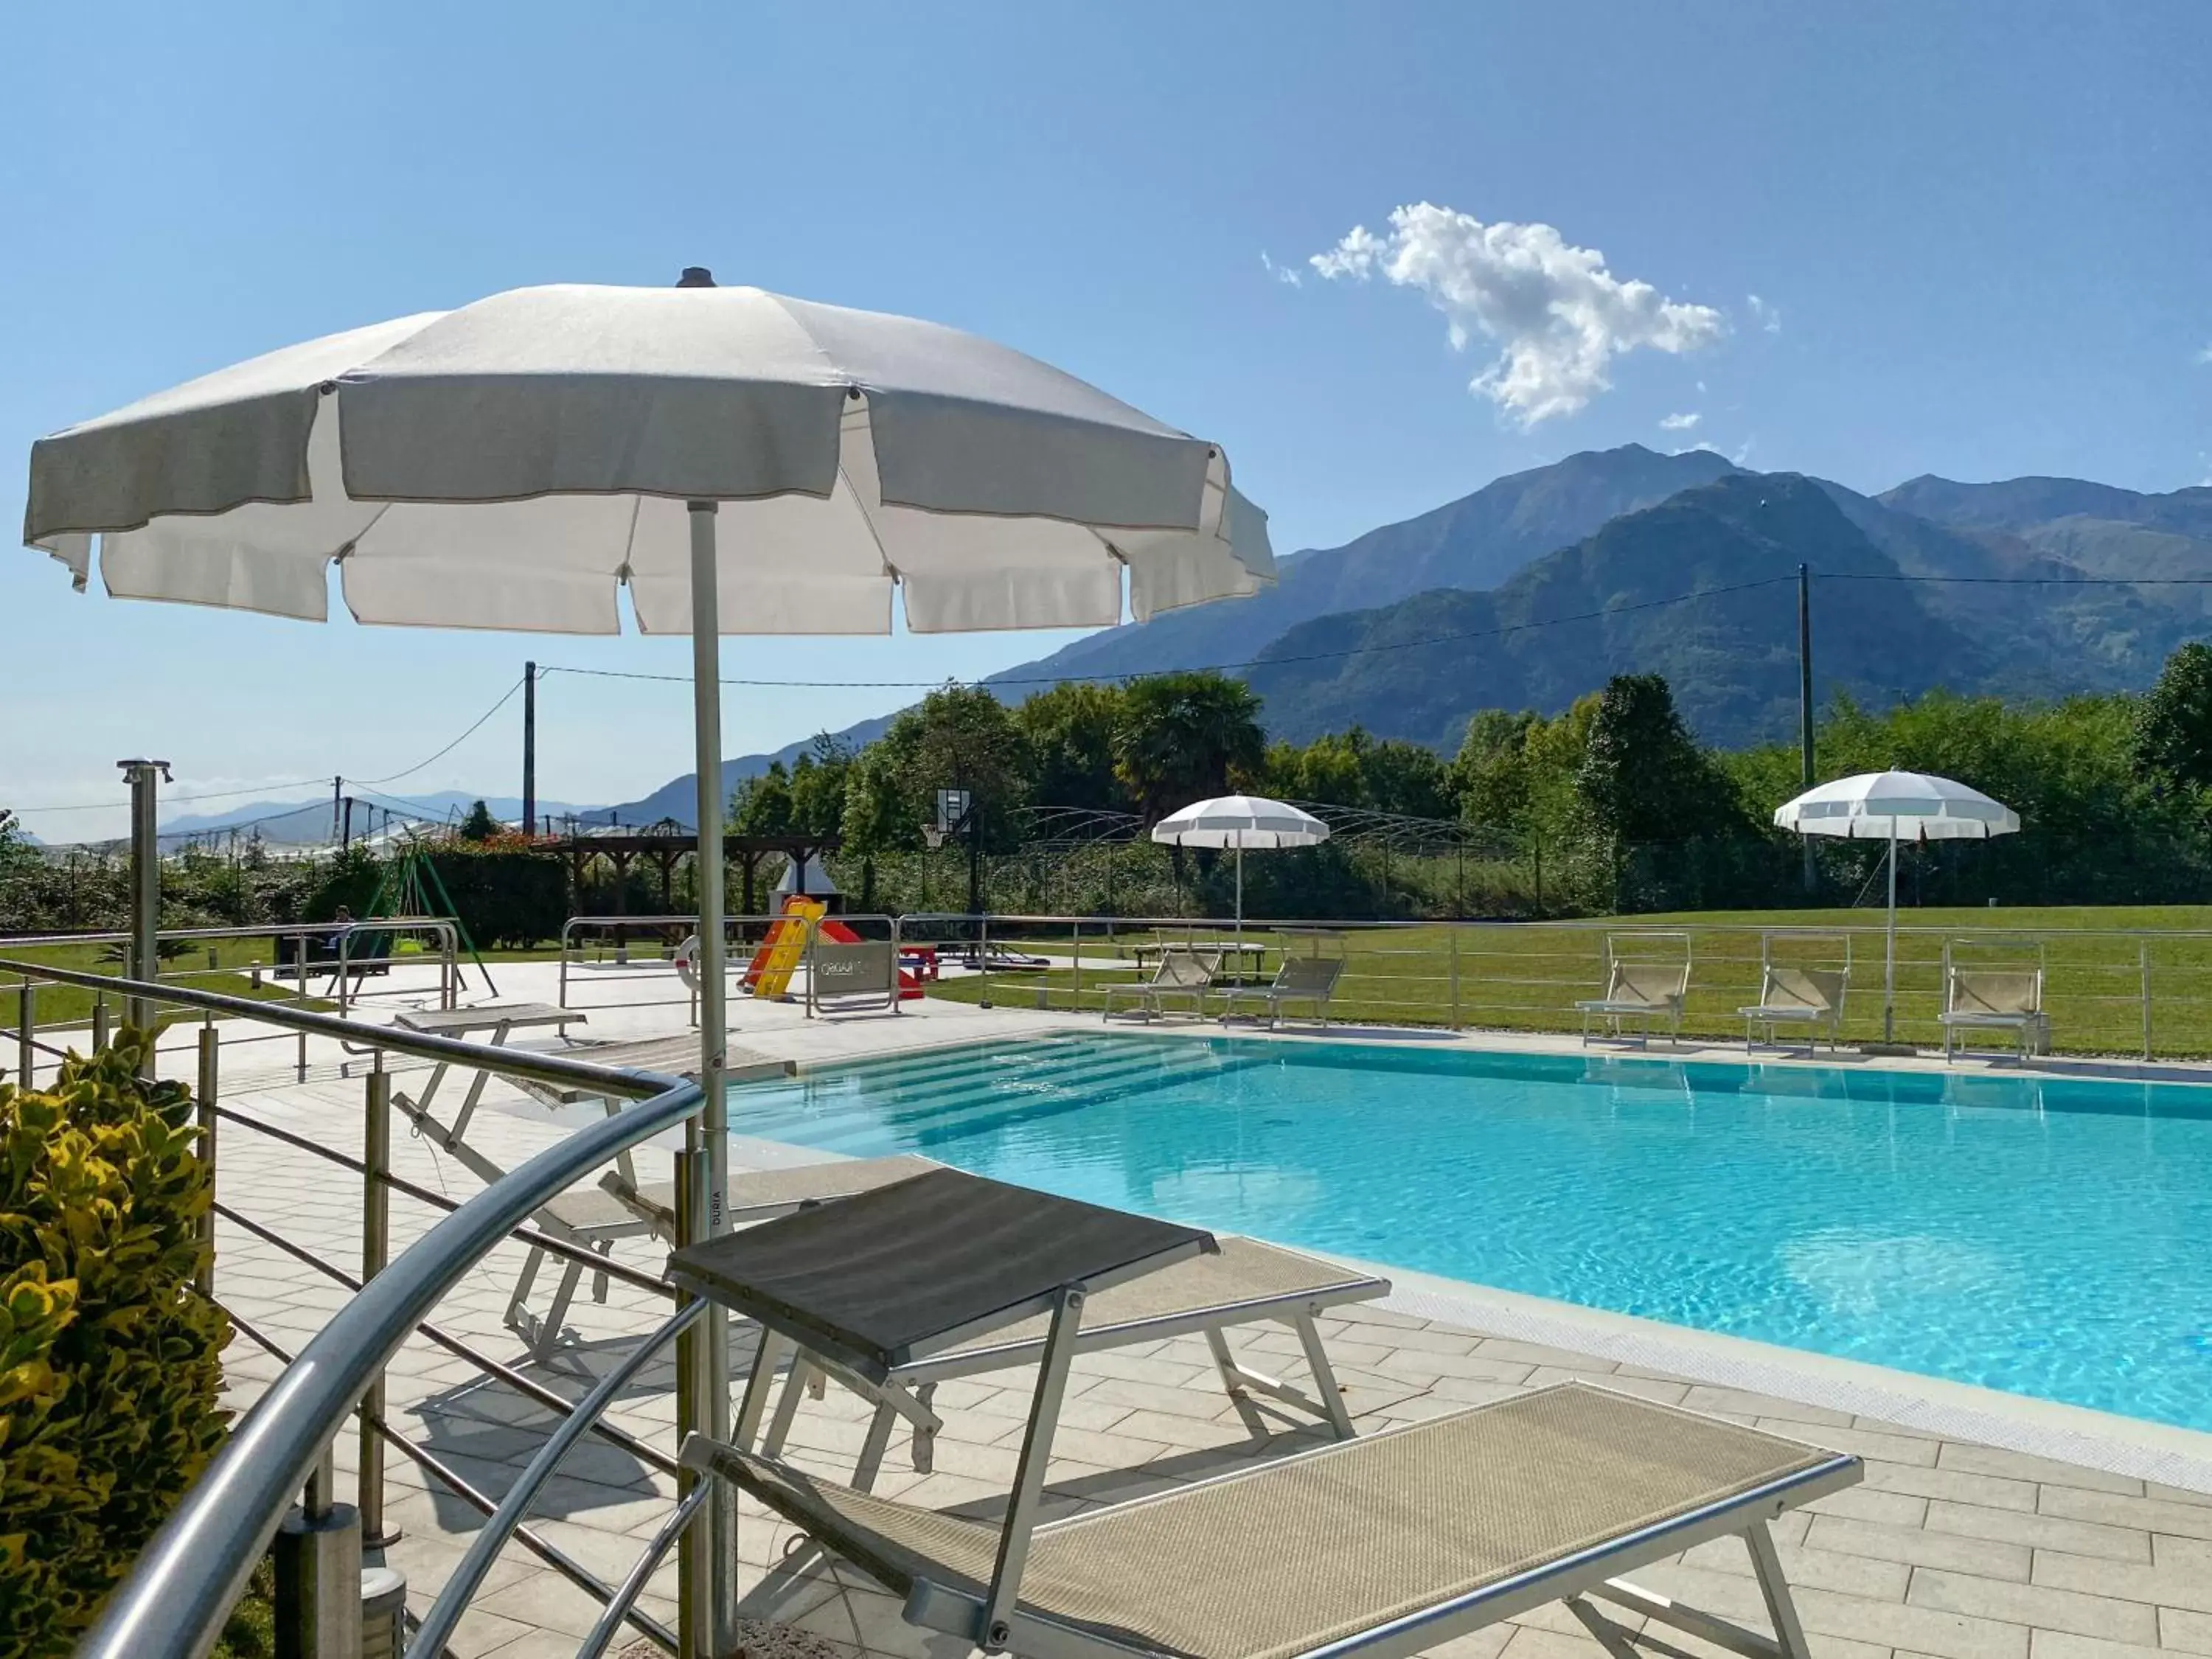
(590, 1219)
(1246, 1282)
(1382, 1547)
(1179, 973)
(1807, 997)
(1638, 990)
(1995, 1000)
(1300, 979)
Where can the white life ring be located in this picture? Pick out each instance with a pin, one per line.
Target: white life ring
(687, 963)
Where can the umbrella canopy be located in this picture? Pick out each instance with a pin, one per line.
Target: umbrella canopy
(1894, 806)
(739, 461)
(1241, 821)
(515, 463)
(1897, 805)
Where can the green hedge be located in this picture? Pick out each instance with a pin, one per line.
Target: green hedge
(110, 1368)
(505, 898)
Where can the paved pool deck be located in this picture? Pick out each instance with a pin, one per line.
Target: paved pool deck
(1968, 1539)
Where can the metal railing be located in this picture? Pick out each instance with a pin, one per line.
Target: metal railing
(2144, 994)
(737, 931)
(293, 956)
(185, 1580)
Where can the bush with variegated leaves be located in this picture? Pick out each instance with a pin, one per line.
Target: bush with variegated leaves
(110, 1366)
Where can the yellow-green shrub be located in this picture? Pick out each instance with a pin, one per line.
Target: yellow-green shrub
(109, 1369)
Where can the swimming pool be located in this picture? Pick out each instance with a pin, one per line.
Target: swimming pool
(2047, 1237)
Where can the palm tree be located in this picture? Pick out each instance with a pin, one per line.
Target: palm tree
(1185, 737)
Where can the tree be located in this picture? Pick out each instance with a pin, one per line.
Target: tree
(761, 804)
(479, 825)
(1643, 777)
(1183, 738)
(818, 787)
(1070, 731)
(2172, 742)
(958, 738)
(16, 850)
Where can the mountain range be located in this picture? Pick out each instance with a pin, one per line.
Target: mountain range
(1486, 602)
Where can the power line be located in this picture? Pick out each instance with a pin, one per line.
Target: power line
(2015, 581)
(231, 794)
(1204, 668)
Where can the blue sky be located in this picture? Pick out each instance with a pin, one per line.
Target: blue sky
(1978, 235)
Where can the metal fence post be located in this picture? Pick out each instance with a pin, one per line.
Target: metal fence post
(375, 1251)
(695, 1562)
(210, 1045)
(983, 957)
(300, 958)
(1452, 933)
(2143, 962)
(1077, 1003)
(26, 1020)
(99, 1020)
(318, 1556)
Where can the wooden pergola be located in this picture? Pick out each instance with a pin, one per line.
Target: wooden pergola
(663, 846)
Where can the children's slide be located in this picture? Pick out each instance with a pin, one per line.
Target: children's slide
(770, 973)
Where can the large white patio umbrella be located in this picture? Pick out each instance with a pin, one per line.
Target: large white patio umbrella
(740, 462)
(1239, 822)
(1896, 806)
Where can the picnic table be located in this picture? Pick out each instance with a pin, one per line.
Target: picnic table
(1238, 957)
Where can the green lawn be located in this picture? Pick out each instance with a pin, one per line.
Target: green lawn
(1527, 976)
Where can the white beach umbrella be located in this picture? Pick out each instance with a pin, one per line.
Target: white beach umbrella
(1896, 806)
(1239, 822)
(740, 462)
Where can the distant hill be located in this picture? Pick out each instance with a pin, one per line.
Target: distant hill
(1476, 542)
(309, 821)
(1605, 529)
(1424, 664)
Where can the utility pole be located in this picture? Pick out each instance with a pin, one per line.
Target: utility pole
(1805, 706)
(530, 749)
(345, 836)
(338, 797)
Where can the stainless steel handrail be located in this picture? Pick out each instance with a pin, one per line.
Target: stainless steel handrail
(645, 924)
(516, 1062)
(188, 1577)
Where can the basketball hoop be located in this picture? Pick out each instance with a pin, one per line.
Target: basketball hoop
(933, 836)
(952, 808)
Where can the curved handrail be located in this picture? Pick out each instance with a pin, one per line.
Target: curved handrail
(517, 1062)
(197, 1566)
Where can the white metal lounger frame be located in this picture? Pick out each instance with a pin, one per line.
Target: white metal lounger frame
(1300, 979)
(1831, 983)
(540, 1332)
(909, 1392)
(997, 1622)
(1621, 970)
(1183, 971)
(2030, 1026)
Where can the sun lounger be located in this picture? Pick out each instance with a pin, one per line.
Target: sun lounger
(1246, 1283)
(1300, 979)
(1179, 973)
(1382, 1547)
(1807, 997)
(1995, 1000)
(591, 1219)
(1648, 991)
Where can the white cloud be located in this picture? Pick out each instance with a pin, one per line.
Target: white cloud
(1281, 273)
(1558, 316)
(2205, 356)
(1769, 318)
(1679, 423)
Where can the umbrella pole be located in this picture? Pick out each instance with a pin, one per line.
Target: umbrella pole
(707, 1138)
(1240, 913)
(1889, 956)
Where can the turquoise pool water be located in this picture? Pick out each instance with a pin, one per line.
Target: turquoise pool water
(2051, 1237)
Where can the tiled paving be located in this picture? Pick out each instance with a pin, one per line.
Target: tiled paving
(1949, 1548)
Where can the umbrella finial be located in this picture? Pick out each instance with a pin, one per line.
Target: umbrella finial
(696, 277)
